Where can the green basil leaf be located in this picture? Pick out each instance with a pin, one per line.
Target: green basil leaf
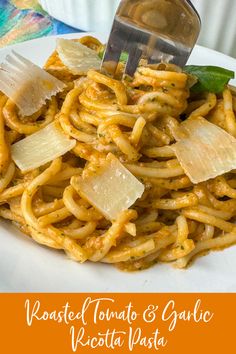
(210, 78)
(101, 53)
(123, 58)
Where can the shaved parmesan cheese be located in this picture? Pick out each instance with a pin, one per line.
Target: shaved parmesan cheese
(77, 57)
(111, 189)
(41, 147)
(204, 150)
(26, 84)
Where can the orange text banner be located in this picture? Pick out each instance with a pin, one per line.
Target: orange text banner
(120, 323)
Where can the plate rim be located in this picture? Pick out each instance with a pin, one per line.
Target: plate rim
(99, 34)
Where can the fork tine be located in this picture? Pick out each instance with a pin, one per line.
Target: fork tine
(124, 38)
(115, 46)
(135, 55)
(111, 59)
(158, 50)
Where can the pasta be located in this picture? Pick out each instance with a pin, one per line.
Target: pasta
(133, 119)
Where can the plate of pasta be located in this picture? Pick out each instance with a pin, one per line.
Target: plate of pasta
(116, 183)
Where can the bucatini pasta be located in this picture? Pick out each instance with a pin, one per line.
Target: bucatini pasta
(134, 120)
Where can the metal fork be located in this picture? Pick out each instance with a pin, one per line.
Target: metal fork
(155, 30)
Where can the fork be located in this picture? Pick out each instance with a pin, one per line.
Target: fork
(155, 30)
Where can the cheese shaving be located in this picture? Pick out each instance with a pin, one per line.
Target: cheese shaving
(77, 57)
(41, 147)
(204, 150)
(111, 189)
(26, 84)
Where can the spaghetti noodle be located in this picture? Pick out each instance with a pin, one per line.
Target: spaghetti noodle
(134, 120)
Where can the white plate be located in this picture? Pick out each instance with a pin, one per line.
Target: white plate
(28, 267)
